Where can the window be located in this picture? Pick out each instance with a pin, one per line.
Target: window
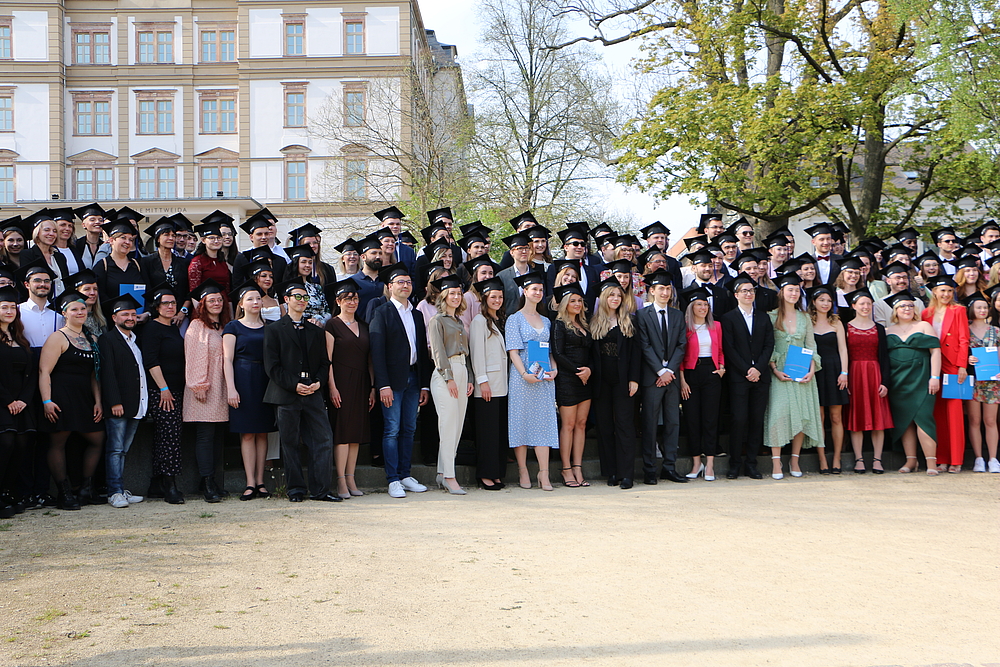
(218, 112)
(354, 37)
(155, 45)
(155, 111)
(6, 51)
(6, 111)
(218, 46)
(91, 47)
(355, 181)
(295, 34)
(6, 184)
(295, 108)
(94, 183)
(354, 108)
(157, 182)
(219, 179)
(295, 179)
(92, 113)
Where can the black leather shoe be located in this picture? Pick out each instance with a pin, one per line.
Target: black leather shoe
(328, 498)
(210, 490)
(171, 494)
(649, 479)
(673, 477)
(612, 481)
(732, 474)
(626, 483)
(664, 474)
(754, 474)
(296, 497)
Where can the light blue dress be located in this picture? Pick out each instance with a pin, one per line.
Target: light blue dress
(531, 408)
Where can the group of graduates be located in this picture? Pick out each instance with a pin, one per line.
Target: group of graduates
(171, 323)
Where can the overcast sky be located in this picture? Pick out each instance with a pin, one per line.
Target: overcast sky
(456, 23)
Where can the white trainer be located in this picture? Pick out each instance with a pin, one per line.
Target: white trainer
(132, 498)
(994, 465)
(979, 465)
(118, 500)
(411, 484)
(396, 490)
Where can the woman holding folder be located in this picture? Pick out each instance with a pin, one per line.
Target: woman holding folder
(986, 394)
(867, 381)
(793, 407)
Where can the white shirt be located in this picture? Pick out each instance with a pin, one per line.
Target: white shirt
(704, 340)
(143, 392)
(405, 313)
(747, 318)
(279, 251)
(659, 324)
(39, 323)
(823, 268)
(72, 266)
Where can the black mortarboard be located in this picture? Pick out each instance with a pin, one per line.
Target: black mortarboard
(391, 212)
(389, 273)
(286, 287)
(473, 265)
(126, 213)
(790, 266)
(972, 298)
(655, 228)
(966, 262)
(692, 241)
(62, 214)
(938, 281)
(943, 231)
(406, 237)
(820, 228)
(254, 268)
(424, 272)
(9, 294)
(894, 299)
(992, 292)
(705, 218)
(741, 279)
(783, 230)
(154, 294)
(88, 210)
(257, 254)
(209, 229)
(745, 258)
(181, 222)
(571, 233)
(428, 232)
(61, 302)
(253, 223)
(438, 214)
(620, 266)
(304, 250)
(119, 303)
(216, 216)
(348, 244)
(307, 230)
(515, 240)
(532, 277)
(447, 282)
(7, 271)
(760, 254)
(609, 282)
(440, 244)
(895, 267)
(927, 256)
(993, 245)
(600, 230)
(16, 223)
(696, 293)
(820, 290)
(82, 277)
(469, 239)
(852, 297)
(561, 264)
(787, 279)
(898, 249)
(118, 227)
(25, 271)
(776, 239)
(643, 259)
(724, 237)
(488, 285)
(735, 227)
(345, 286)
(659, 277)
(206, 287)
(249, 286)
(37, 218)
(621, 241)
(161, 226)
(562, 291)
(701, 256)
(970, 248)
(805, 258)
(906, 234)
(369, 242)
(850, 262)
(517, 220)
(476, 227)
(537, 232)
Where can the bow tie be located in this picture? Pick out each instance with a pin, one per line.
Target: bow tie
(821, 258)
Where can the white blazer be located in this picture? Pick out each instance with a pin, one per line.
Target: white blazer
(489, 357)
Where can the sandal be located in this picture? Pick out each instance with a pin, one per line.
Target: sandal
(249, 496)
(877, 471)
(572, 483)
(581, 482)
(932, 469)
(262, 491)
(862, 470)
(907, 469)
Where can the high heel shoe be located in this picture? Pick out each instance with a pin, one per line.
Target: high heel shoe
(522, 475)
(572, 483)
(877, 471)
(581, 482)
(447, 487)
(777, 475)
(709, 478)
(860, 471)
(546, 485)
(694, 474)
(492, 486)
(906, 468)
(345, 496)
(932, 469)
(795, 473)
(354, 492)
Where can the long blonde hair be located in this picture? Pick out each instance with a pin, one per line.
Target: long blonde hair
(600, 325)
(578, 321)
(440, 299)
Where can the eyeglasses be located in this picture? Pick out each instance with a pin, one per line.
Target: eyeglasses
(748, 290)
(43, 281)
(352, 297)
(577, 244)
(299, 297)
(402, 282)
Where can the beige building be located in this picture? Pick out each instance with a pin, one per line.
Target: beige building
(188, 105)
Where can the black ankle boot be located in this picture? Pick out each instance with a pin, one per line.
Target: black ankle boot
(210, 489)
(67, 501)
(156, 487)
(86, 494)
(170, 492)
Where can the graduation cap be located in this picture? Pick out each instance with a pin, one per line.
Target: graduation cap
(561, 264)
(127, 213)
(741, 279)
(62, 302)
(439, 214)
(805, 258)
(895, 299)
(257, 254)
(850, 262)
(898, 249)
(440, 244)
(16, 224)
(348, 245)
(735, 227)
(7, 272)
(990, 261)
(782, 230)
(518, 220)
(89, 210)
(537, 232)
(217, 216)
(369, 243)
(161, 226)
(620, 266)
(295, 252)
(655, 228)
(659, 277)
(601, 230)
(992, 292)
(692, 241)
(929, 256)
(285, 288)
(569, 234)
(643, 259)
(818, 229)
(746, 258)
(261, 219)
(206, 287)
(469, 239)
(563, 291)
(776, 239)
(970, 248)
(9, 294)
(484, 260)
(25, 271)
(307, 230)
(533, 277)
(428, 232)
(791, 266)
(118, 227)
(425, 271)
(407, 238)
(155, 294)
(985, 227)
(342, 287)
(209, 229)
(119, 303)
(839, 227)
(895, 267)
(702, 256)
(255, 268)
(391, 212)
(608, 283)
(447, 282)
(852, 297)
(393, 271)
(993, 246)
(249, 286)
(943, 231)
(516, 240)
(972, 298)
(820, 290)
(695, 293)
(939, 281)
(488, 285)
(760, 254)
(476, 227)
(724, 237)
(705, 218)
(966, 262)
(37, 218)
(622, 241)
(62, 214)
(83, 277)
(785, 279)
(181, 222)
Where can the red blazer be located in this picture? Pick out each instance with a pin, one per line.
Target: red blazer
(954, 338)
(691, 353)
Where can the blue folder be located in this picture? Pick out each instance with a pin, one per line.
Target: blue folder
(798, 362)
(987, 363)
(135, 290)
(950, 388)
(538, 358)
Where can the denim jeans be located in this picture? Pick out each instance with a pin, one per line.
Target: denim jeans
(400, 424)
(120, 431)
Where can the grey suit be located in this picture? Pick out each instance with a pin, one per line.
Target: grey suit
(665, 401)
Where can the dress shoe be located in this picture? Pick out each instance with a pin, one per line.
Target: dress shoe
(663, 473)
(733, 474)
(613, 481)
(626, 483)
(210, 490)
(694, 474)
(492, 486)
(673, 477)
(649, 478)
(754, 474)
(328, 498)
(296, 497)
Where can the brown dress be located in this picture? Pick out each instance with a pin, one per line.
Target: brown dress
(353, 379)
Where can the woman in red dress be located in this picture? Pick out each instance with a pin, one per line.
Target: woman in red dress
(952, 327)
(867, 380)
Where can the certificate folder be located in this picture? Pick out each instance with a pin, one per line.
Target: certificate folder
(798, 361)
(987, 363)
(538, 358)
(950, 388)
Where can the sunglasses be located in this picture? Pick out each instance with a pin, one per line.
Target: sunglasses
(577, 244)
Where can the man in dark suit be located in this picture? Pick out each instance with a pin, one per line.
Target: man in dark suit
(657, 235)
(702, 267)
(827, 269)
(663, 340)
(259, 229)
(402, 375)
(124, 394)
(575, 249)
(297, 368)
(392, 219)
(747, 341)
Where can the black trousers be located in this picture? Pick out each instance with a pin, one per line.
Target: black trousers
(701, 411)
(491, 437)
(614, 412)
(747, 402)
(208, 438)
(305, 421)
(660, 402)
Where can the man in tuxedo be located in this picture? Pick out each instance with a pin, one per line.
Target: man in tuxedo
(827, 269)
(392, 219)
(258, 227)
(297, 368)
(402, 375)
(702, 268)
(575, 249)
(747, 341)
(662, 339)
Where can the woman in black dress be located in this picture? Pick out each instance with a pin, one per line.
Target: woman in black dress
(163, 266)
(118, 268)
(71, 397)
(831, 381)
(572, 349)
(246, 382)
(17, 391)
(351, 376)
(163, 356)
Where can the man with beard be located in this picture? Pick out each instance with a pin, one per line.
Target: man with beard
(369, 286)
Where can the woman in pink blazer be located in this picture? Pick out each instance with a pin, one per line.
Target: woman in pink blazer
(701, 381)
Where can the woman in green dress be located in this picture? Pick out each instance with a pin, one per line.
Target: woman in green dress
(915, 376)
(793, 407)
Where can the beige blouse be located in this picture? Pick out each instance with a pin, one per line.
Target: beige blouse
(446, 337)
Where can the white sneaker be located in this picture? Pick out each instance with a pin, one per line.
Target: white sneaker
(994, 465)
(396, 490)
(132, 498)
(980, 465)
(410, 484)
(118, 500)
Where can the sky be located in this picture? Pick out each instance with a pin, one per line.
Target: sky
(455, 22)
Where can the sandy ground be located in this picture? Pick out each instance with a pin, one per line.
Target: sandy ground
(891, 570)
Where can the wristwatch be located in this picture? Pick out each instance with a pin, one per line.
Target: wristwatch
(184, 309)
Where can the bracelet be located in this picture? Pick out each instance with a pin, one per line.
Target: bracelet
(164, 388)
(935, 377)
(46, 402)
(843, 372)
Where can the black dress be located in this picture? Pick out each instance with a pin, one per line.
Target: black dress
(571, 350)
(826, 379)
(353, 378)
(253, 415)
(73, 392)
(110, 278)
(18, 382)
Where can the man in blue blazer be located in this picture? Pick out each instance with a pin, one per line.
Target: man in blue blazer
(402, 375)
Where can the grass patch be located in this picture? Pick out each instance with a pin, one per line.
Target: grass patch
(205, 515)
(5, 526)
(221, 627)
(50, 615)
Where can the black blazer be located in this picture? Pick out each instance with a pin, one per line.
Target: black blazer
(745, 351)
(629, 365)
(834, 269)
(153, 274)
(278, 265)
(284, 353)
(29, 255)
(391, 349)
(651, 343)
(121, 376)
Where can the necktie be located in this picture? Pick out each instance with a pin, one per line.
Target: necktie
(823, 259)
(663, 330)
